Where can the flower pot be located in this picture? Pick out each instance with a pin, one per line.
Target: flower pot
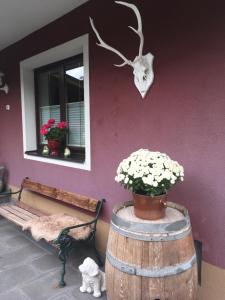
(149, 208)
(54, 147)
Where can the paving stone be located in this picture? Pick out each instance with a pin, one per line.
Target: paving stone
(7, 231)
(4, 248)
(62, 296)
(3, 221)
(18, 241)
(73, 277)
(46, 247)
(45, 286)
(46, 263)
(77, 295)
(20, 256)
(16, 276)
(15, 294)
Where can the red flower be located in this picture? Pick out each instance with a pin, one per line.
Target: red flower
(46, 126)
(43, 131)
(62, 125)
(54, 131)
(51, 121)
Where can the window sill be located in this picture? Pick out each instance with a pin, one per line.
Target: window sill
(74, 161)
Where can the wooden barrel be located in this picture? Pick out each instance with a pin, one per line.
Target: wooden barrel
(151, 260)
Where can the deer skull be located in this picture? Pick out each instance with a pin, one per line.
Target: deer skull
(142, 64)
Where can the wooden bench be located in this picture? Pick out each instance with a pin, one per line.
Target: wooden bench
(20, 213)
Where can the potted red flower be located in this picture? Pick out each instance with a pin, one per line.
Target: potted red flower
(54, 134)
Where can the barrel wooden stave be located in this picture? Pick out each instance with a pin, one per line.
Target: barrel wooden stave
(122, 286)
(154, 255)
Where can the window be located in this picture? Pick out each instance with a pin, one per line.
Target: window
(59, 90)
(55, 84)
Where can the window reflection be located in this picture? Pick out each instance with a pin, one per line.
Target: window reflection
(75, 104)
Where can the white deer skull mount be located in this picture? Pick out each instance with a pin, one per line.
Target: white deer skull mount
(3, 86)
(142, 64)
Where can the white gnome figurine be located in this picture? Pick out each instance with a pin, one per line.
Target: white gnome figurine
(93, 279)
(67, 152)
(45, 150)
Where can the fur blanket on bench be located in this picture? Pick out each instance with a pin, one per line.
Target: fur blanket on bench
(49, 227)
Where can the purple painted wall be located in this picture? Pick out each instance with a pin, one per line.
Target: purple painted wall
(182, 115)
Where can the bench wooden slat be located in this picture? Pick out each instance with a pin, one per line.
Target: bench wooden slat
(30, 209)
(11, 217)
(25, 212)
(21, 214)
(61, 195)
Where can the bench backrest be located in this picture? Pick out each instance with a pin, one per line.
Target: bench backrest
(73, 199)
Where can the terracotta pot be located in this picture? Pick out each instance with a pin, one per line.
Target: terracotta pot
(149, 208)
(54, 147)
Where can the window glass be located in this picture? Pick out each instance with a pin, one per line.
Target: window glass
(60, 96)
(74, 82)
(48, 94)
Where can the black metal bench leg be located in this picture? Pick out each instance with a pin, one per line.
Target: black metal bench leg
(62, 256)
(65, 245)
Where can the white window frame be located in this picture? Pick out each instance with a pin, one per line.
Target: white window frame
(27, 66)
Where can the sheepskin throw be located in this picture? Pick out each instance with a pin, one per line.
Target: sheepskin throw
(49, 227)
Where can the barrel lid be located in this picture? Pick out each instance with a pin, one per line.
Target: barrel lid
(174, 225)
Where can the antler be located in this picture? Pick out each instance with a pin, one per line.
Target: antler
(139, 30)
(106, 46)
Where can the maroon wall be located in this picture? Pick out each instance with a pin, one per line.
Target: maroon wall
(182, 115)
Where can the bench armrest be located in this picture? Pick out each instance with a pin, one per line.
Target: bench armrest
(9, 193)
(66, 230)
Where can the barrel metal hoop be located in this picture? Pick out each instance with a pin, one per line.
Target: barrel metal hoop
(148, 237)
(149, 227)
(152, 231)
(150, 272)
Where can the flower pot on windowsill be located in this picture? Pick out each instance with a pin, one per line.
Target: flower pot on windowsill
(54, 146)
(149, 207)
(55, 134)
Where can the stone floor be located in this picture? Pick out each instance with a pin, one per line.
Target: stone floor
(30, 270)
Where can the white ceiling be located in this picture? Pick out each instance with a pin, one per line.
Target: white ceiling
(18, 18)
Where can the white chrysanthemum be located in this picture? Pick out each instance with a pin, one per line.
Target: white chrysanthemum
(155, 183)
(126, 180)
(148, 171)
